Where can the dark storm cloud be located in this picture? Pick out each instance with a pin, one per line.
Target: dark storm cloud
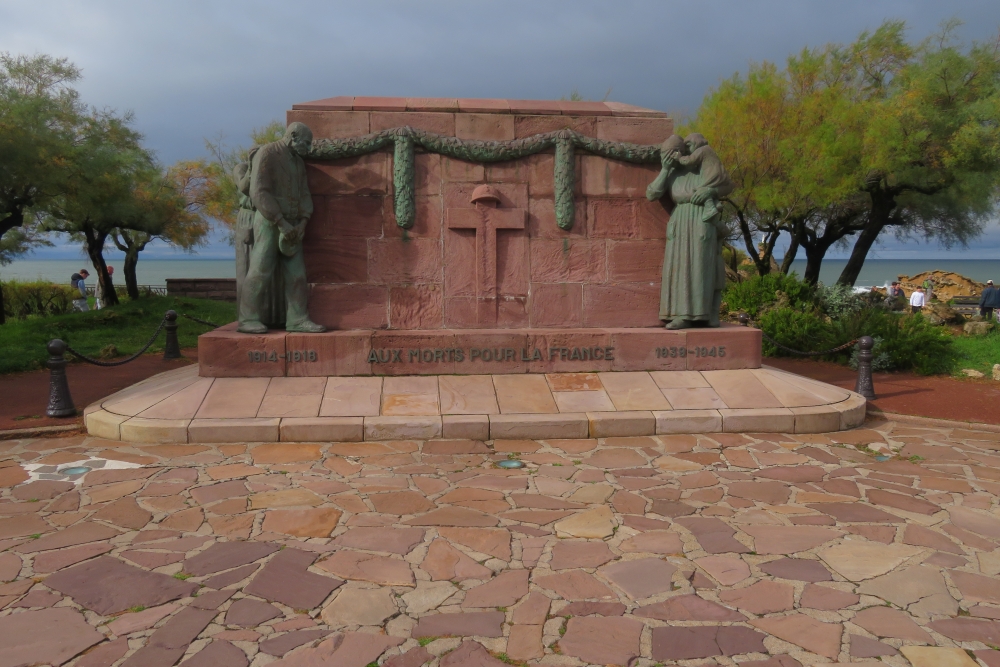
(190, 70)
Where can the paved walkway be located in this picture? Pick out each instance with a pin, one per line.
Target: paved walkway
(721, 549)
(178, 406)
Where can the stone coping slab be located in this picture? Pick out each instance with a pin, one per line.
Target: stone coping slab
(226, 353)
(180, 407)
(469, 105)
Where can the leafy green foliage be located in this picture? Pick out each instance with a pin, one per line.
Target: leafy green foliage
(855, 140)
(754, 294)
(39, 114)
(802, 330)
(839, 300)
(36, 299)
(910, 341)
(221, 197)
(810, 319)
(128, 326)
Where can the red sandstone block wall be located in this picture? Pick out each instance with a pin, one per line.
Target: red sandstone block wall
(368, 273)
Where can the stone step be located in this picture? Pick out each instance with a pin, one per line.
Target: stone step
(179, 406)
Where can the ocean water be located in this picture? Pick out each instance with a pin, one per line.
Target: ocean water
(883, 271)
(148, 272)
(156, 271)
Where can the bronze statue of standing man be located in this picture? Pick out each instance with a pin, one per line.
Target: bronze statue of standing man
(694, 274)
(279, 192)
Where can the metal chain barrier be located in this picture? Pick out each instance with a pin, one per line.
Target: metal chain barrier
(60, 401)
(200, 321)
(746, 320)
(864, 386)
(98, 362)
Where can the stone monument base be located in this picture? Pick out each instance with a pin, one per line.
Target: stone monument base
(226, 353)
(179, 406)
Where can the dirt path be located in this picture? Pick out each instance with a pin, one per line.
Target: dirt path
(25, 395)
(936, 396)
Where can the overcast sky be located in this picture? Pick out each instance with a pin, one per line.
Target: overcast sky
(193, 69)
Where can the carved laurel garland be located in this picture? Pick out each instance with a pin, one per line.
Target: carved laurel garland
(406, 139)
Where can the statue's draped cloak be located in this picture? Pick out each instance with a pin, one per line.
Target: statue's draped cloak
(693, 272)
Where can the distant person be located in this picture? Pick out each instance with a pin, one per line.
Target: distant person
(78, 281)
(917, 300)
(989, 300)
(99, 291)
(895, 296)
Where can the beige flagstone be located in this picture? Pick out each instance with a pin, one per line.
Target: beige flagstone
(856, 560)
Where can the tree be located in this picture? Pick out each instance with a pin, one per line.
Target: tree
(39, 114)
(207, 192)
(221, 199)
(107, 189)
(180, 202)
(931, 157)
(849, 141)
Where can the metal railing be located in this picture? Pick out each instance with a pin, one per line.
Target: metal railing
(864, 385)
(60, 400)
(121, 290)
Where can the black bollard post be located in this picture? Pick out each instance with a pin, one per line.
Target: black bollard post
(865, 385)
(60, 402)
(744, 319)
(172, 348)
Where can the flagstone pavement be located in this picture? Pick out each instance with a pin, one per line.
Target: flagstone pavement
(871, 546)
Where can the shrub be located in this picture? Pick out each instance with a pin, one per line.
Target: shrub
(810, 319)
(22, 300)
(755, 294)
(839, 300)
(804, 331)
(910, 341)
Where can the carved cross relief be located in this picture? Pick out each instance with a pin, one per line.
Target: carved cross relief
(486, 218)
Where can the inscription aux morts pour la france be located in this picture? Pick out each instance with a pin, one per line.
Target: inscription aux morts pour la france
(502, 354)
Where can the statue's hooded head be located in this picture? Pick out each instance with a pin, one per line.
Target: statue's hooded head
(695, 141)
(299, 137)
(673, 143)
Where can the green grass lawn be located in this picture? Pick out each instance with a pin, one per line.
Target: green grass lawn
(977, 352)
(127, 326)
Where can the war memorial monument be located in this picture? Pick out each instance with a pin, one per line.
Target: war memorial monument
(416, 268)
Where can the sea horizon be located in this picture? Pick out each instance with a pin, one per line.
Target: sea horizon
(155, 271)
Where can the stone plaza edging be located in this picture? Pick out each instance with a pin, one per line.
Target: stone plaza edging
(846, 414)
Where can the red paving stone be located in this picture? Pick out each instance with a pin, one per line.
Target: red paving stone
(472, 558)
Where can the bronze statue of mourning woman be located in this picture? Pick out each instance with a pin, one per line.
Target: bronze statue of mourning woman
(693, 180)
